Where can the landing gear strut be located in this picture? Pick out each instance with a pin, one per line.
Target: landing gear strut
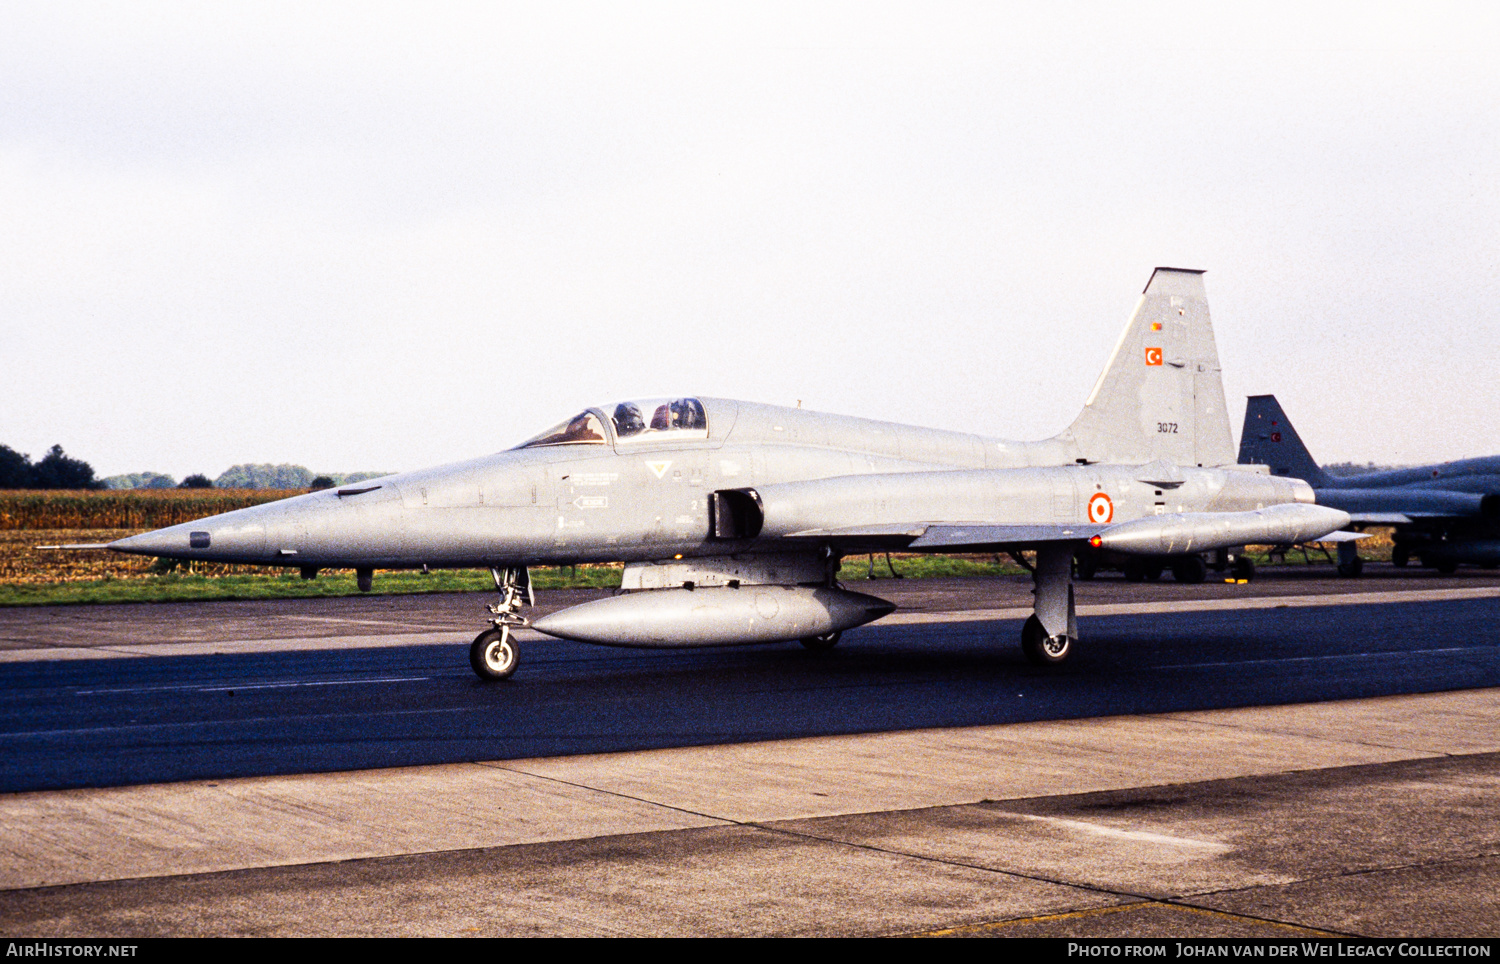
(1048, 636)
(1350, 564)
(494, 653)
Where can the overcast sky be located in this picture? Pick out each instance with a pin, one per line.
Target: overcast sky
(384, 236)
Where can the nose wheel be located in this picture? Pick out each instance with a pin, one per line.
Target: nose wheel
(494, 653)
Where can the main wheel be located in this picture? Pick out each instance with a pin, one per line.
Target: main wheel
(1400, 556)
(1041, 649)
(1189, 569)
(826, 641)
(494, 655)
(1244, 568)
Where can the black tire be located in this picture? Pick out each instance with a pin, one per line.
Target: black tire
(1041, 650)
(1400, 556)
(1189, 569)
(1153, 571)
(1088, 566)
(821, 643)
(1352, 568)
(1135, 570)
(1446, 566)
(1243, 568)
(494, 655)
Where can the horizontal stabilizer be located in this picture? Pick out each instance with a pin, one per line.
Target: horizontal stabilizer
(1380, 518)
(1342, 536)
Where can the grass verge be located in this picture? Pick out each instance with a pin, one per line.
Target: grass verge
(186, 587)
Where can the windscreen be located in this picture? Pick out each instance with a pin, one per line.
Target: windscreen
(585, 428)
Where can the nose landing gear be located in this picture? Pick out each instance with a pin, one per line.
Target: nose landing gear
(494, 653)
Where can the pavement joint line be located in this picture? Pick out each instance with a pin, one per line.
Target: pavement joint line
(1361, 872)
(502, 765)
(769, 827)
(1421, 753)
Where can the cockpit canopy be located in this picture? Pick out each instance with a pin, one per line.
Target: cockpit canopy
(644, 420)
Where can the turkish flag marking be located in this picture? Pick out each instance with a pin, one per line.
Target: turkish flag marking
(1153, 356)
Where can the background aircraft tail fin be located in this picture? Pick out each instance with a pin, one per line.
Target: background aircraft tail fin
(1269, 439)
(1161, 395)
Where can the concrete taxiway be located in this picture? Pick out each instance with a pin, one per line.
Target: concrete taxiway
(1371, 817)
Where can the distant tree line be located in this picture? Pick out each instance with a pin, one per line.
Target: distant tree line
(246, 476)
(267, 476)
(1342, 469)
(55, 471)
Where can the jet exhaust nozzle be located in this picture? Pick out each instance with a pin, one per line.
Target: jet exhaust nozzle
(1200, 531)
(686, 618)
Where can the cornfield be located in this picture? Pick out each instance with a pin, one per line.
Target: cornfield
(134, 509)
(34, 518)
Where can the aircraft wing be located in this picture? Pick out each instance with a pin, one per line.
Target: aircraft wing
(950, 538)
(886, 513)
(1176, 532)
(943, 537)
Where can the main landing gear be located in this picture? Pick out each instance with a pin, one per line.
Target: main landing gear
(1048, 636)
(819, 643)
(494, 654)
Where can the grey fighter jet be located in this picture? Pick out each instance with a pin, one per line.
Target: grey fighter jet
(731, 517)
(1443, 514)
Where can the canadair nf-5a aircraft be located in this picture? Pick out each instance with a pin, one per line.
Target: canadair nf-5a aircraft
(731, 517)
(1442, 514)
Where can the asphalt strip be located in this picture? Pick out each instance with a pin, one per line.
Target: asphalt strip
(441, 637)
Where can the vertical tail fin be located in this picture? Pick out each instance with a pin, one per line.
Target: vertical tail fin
(1269, 439)
(1161, 395)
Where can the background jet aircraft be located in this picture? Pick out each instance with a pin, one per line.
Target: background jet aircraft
(731, 517)
(1443, 514)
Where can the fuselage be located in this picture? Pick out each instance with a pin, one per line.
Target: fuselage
(608, 496)
(1479, 475)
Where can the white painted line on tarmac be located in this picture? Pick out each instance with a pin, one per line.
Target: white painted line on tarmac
(411, 626)
(1204, 605)
(201, 688)
(299, 683)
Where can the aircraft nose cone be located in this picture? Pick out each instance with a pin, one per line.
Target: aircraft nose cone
(210, 539)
